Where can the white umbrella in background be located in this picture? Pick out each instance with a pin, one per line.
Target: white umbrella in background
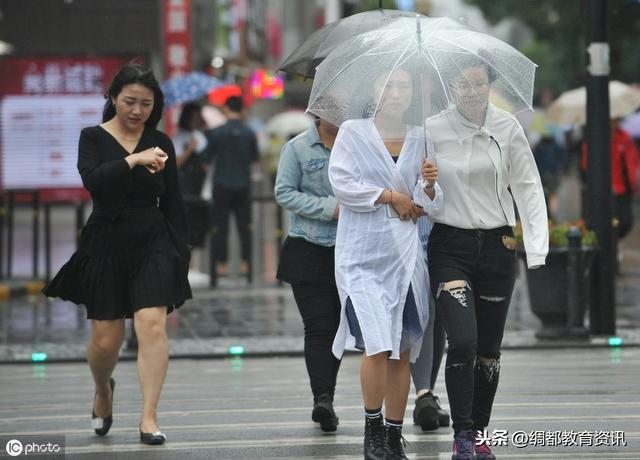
(277, 131)
(631, 124)
(213, 116)
(571, 107)
(5, 48)
(289, 123)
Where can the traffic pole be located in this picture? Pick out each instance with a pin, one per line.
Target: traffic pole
(599, 196)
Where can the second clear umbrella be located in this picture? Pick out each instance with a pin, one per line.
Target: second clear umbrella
(304, 60)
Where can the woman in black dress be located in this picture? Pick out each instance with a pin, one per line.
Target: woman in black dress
(132, 260)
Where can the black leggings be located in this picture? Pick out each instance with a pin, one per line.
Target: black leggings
(472, 277)
(319, 306)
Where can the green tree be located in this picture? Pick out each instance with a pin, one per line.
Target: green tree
(559, 46)
(368, 5)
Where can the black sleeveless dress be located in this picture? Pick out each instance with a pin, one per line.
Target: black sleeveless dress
(132, 252)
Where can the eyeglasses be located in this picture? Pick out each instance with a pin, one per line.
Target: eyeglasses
(466, 86)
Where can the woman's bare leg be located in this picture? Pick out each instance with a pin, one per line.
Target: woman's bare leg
(373, 379)
(102, 354)
(153, 360)
(398, 383)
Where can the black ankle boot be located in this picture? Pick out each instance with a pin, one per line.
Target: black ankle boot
(373, 438)
(394, 444)
(324, 414)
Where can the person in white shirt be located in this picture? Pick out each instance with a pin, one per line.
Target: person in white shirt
(375, 170)
(483, 159)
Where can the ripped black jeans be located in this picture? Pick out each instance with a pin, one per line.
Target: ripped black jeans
(472, 276)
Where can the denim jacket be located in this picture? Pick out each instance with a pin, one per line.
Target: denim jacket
(302, 187)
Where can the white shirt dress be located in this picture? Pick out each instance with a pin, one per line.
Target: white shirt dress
(378, 255)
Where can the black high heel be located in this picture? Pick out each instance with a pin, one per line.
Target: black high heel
(155, 438)
(102, 425)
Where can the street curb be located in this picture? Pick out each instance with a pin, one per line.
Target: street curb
(12, 290)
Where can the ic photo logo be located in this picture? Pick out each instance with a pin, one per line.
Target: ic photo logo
(13, 447)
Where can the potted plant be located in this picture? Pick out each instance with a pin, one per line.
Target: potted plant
(550, 287)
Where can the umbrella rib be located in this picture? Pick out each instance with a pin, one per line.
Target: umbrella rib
(341, 71)
(335, 77)
(466, 33)
(508, 80)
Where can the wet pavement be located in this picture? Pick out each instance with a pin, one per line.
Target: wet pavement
(232, 407)
(261, 317)
(562, 404)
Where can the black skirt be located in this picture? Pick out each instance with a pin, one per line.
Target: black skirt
(121, 266)
(198, 213)
(304, 262)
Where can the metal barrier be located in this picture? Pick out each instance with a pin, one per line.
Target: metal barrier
(7, 218)
(267, 232)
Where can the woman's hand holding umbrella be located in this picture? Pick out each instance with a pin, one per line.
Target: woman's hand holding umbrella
(429, 172)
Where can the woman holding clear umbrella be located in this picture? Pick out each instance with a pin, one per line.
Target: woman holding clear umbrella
(374, 171)
(484, 159)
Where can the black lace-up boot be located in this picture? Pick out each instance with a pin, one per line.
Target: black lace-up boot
(394, 443)
(374, 438)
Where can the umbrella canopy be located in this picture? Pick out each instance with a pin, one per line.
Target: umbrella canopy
(218, 96)
(431, 61)
(213, 117)
(187, 88)
(287, 124)
(631, 124)
(304, 60)
(571, 107)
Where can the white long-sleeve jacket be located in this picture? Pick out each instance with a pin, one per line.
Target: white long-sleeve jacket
(377, 255)
(477, 165)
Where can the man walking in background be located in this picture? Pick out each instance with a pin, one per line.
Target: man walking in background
(232, 149)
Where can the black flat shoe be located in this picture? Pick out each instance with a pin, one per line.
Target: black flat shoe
(102, 425)
(153, 439)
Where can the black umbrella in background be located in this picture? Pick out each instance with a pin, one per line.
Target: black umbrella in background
(306, 58)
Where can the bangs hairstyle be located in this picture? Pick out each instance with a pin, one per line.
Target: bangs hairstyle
(188, 111)
(463, 62)
(130, 74)
(420, 73)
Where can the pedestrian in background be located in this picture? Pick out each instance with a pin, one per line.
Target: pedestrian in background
(190, 142)
(307, 257)
(624, 179)
(381, 277)
(483, 160)
(551, 160)
(132, 258)
(427, 411)
(232, 149)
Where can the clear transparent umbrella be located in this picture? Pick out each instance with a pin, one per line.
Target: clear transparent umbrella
(304, 60)
(370, 75)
